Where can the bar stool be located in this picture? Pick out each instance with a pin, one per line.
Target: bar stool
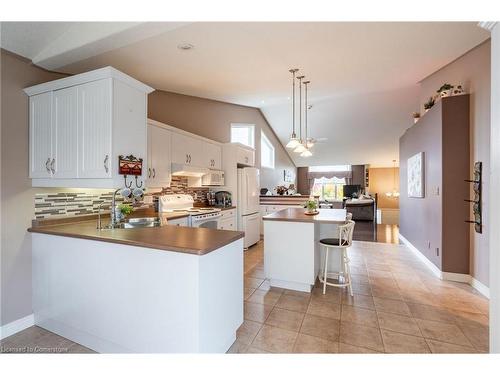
(348, 216)
(342, 243)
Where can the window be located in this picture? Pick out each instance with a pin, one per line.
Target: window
(266, 152)
(243, 133)
(329, 188)
(330, 168)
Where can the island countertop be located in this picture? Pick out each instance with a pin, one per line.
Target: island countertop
(330, 216)
(197, 241)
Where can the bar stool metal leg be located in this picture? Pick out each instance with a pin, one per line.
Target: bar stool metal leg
(325, 270)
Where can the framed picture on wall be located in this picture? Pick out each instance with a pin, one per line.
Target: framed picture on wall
(416, 174)
(287, 176)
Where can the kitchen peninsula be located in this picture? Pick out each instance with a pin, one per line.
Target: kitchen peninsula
(164, 289)
(291, 249)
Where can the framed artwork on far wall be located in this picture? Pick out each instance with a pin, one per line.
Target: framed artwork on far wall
(416, 176)
(287, 176)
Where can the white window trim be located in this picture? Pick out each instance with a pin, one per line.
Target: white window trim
(244, 125)
(270, 144)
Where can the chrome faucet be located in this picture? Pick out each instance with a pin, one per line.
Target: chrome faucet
(114, 220)
(99, 223)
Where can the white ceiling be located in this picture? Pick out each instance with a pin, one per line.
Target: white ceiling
(363, 75)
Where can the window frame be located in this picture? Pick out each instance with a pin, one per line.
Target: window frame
(335, 187)
(269, 144)
(245, 126)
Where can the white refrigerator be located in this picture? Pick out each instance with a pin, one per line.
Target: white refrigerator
(249, 205)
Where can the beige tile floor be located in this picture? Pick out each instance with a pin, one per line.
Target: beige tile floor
(398, 307)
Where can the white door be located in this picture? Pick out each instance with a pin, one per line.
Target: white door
(250, 190)
(160, 156)
(95, 126)
(251, 227)
(40, 135)
(212, 155)
(65, 133)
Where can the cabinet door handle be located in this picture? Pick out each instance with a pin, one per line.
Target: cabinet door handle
(189, 158)
(52, 168)
(47, 165)
(149, 172)
(154, 173)
(106, 168)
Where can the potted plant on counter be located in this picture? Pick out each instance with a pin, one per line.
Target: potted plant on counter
(281, 190)
(123, 210)
(311, 206)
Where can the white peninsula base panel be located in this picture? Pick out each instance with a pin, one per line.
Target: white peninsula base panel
(292, 255)
(115, 298)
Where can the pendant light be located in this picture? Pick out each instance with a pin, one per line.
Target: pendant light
(293, 142)
(394, 193)
(300, 147)
(306, 153)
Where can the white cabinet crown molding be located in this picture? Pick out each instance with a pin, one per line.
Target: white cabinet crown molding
(487, 25)
(94, 75)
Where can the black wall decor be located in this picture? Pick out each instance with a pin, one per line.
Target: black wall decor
(477, 201)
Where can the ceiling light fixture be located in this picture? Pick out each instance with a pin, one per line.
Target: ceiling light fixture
(293, 142)
(394, 193)
(300, 146)
(185, 46)
(306, 153)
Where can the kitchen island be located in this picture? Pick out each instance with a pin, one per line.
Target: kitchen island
(143, 290)
(291, 248)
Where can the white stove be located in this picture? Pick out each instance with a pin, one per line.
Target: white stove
(203, 217)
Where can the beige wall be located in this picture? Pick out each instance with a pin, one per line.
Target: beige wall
(472, 70)
(382, 181)
(16, 192)
(212, 119)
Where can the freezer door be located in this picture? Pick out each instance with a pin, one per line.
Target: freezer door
(250, 186)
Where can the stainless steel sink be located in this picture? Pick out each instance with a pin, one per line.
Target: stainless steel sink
(140, 222)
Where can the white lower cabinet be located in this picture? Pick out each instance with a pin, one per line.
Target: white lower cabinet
(228, 220)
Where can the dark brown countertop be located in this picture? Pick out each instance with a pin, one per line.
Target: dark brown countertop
(197, 241)
(330, 216)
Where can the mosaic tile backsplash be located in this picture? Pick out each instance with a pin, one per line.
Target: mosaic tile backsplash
(85, 202)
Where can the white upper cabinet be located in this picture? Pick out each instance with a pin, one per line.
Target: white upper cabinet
(187, 150)
(64, 161)
(95, 126)
(212, 155)
(80, 125)
(40, 113)
(159, 157)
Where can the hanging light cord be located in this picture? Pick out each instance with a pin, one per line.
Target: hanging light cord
(300, 106)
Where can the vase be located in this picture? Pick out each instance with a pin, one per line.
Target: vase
(445, 93)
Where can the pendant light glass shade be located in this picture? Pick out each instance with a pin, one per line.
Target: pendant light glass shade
(306, 153)
(300, 148)
(292, 143)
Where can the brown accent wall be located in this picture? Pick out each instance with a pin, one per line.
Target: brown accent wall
(473, 71)
(382, 181)
(16, 193)
(303, 181)
(212, 119)
(435, 224)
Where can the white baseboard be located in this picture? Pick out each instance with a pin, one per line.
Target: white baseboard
(435, 270)
(16, 326)
(449, 276)
(480, 287)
